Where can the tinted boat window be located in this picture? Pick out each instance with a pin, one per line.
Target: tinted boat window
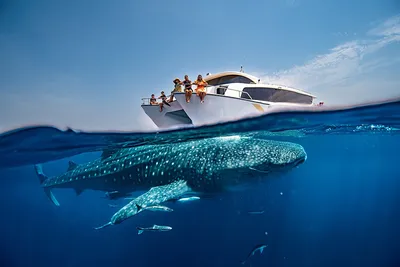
(221, 90)
(230, 79)
(276, 95)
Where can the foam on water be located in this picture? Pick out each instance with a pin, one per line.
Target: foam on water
(38, 144)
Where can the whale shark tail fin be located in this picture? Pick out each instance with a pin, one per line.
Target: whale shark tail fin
(47, 191)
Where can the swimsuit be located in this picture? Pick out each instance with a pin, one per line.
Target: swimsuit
(188, 85)
(200, 86)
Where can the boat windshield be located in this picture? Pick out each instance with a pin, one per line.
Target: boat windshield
(230, 79)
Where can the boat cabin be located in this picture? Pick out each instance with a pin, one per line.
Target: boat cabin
(245, 86)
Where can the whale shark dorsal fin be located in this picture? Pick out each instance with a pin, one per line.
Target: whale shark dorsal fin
(71, 165)
(108, 153)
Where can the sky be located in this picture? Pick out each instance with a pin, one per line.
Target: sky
(86, 65)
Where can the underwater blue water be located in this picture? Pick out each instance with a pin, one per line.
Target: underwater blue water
(339, 208)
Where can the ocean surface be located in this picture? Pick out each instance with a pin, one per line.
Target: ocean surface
(339, 208)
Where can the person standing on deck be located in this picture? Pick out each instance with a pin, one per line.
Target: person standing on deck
(201, 90)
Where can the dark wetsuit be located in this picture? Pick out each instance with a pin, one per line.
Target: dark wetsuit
(153, 101)
(164, 100)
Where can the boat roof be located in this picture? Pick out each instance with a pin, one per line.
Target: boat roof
(227, 73)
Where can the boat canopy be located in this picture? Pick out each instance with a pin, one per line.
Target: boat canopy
(230, 77)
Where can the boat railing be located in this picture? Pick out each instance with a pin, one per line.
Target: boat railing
(146, 101)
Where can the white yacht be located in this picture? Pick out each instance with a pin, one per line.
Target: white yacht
(230, 96)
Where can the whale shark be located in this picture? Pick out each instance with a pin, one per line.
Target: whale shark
(206, 165)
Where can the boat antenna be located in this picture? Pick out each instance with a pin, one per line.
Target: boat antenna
(241, 68)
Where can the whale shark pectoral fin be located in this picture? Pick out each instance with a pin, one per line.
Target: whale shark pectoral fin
(71, 165)
(154, 196)
(42, 178)
(103, 226)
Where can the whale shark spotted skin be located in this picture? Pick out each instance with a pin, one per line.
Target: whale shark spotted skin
(207, 165)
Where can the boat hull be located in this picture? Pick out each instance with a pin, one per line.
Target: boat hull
(215, 109)
(171, 116)
(219, 108)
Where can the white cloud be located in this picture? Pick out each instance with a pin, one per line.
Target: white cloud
(349, 73)
(388, 28)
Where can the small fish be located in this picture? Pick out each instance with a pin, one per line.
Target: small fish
(112, 205)
(256, 212)
(187, 199)
(254, 250)
(154, 228)
(155, 208)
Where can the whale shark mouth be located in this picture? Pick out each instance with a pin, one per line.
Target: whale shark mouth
(271, 168)
(254, 169)
(299, 161)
